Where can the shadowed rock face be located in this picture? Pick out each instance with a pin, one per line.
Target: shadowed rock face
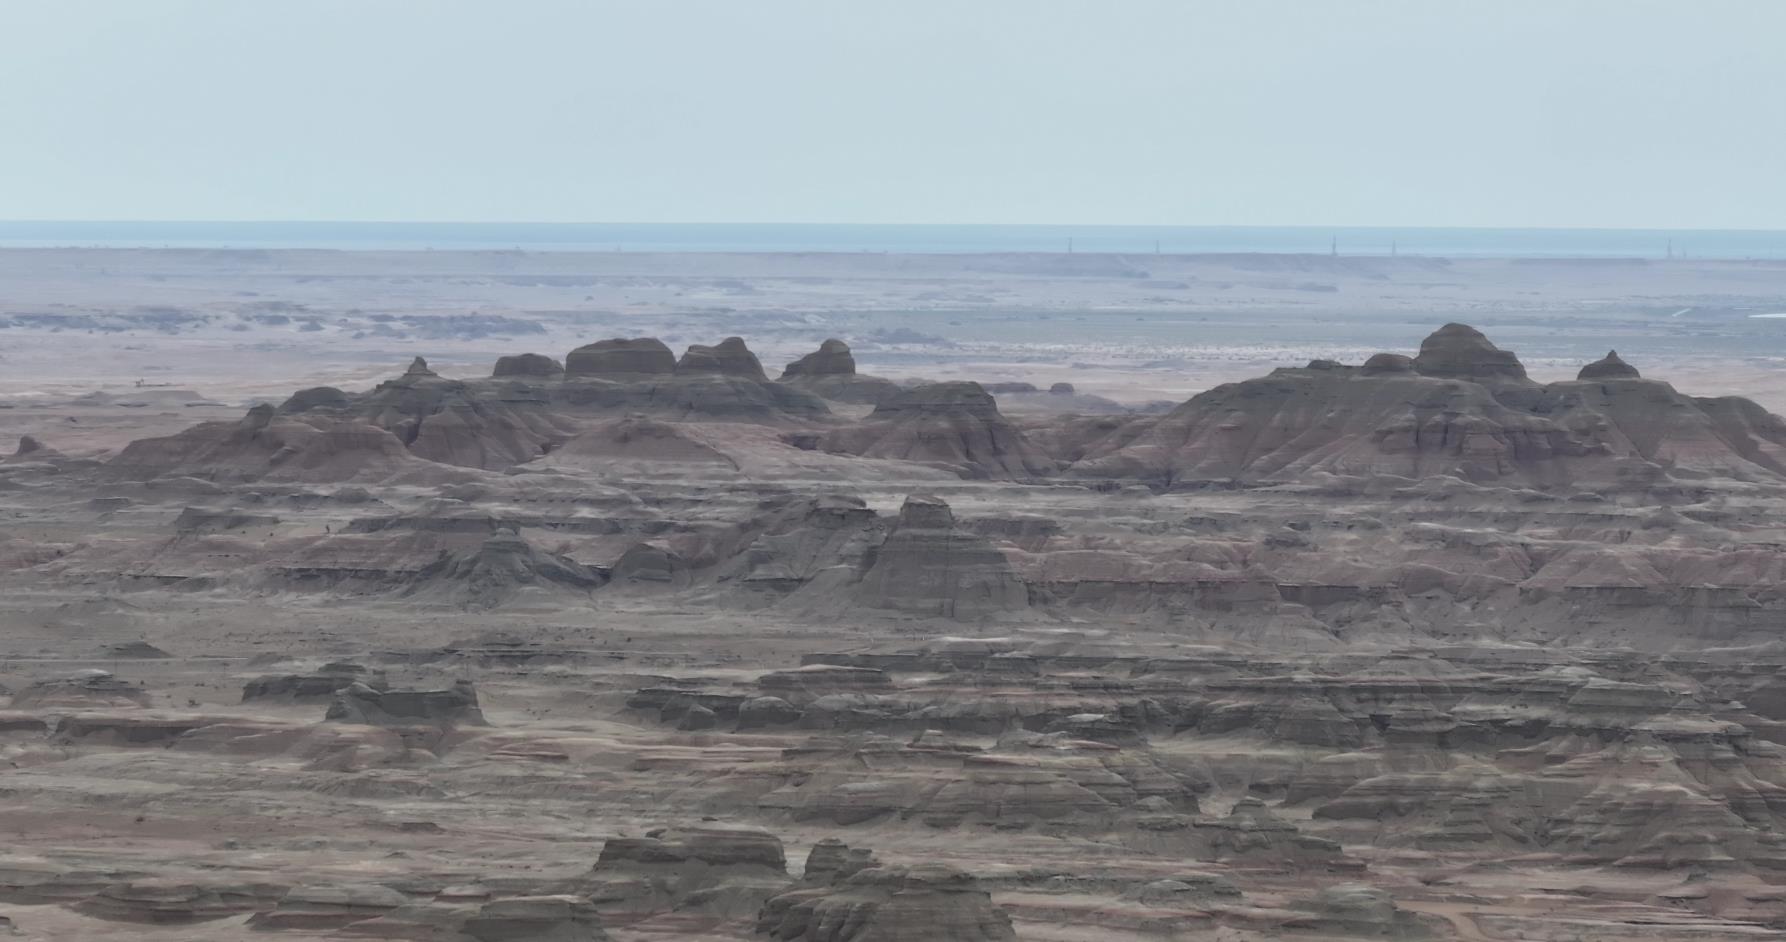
(505, 565)
(419, 367)
(534, 365)
(1460, 351)
(931, 902)
(1608, 367)
(366, 705)
(832, 358)
(730, 357)
(30, 449)
(620, 357)
(928, 566)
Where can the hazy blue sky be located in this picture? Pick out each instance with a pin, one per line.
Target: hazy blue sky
(1269, 112)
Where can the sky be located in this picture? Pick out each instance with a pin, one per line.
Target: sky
(1516, 113)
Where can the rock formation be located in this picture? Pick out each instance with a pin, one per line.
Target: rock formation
(620, 358)
(503, 567)
(529, 366)
(1459, 351)
(730, 357)
(719, 871)
(30, 449)
(830, 372)
(929, 566)
(931, 902)
(951, 425)
(366, 705)
(1608, 367)
(1465, 410)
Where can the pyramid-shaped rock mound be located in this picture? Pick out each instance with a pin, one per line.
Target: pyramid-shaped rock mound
(503, 567)
(729, 357)
(1610, 366)
(264, 446)
(1459, 351)
(951, 425)
(528, 366)
(929, 566)
(830, 371)
(1464, 410)
(620, 357)
(30, 449)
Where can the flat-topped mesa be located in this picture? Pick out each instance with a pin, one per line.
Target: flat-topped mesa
(623, 357)
(729, 357)
(531, 365)
(1459, 351)
(1609, 367)
(923, 511)
(833, 358)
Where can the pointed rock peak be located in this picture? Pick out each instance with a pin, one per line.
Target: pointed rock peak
(259, 417)
(833, 358)
(927, 512)
(418, 367)
(29, 446)
(621, 356)
(1609, 367)
(1459, 351)
(729, 357)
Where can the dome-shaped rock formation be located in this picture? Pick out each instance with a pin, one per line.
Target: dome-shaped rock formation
(1608, 367)
(528, 365)
(1462, 352)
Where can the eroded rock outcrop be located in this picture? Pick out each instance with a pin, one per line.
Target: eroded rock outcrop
(620, 357)
(929, 566)
(951, 425)
(1610, 366)
(729, 357)
(930, 902)
(502, 568)
(714, 870)
(830, 371)
(529, 366)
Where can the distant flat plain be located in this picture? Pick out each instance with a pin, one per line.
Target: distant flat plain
(235, 325)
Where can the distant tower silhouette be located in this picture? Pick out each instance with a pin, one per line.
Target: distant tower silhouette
(1334, 248)
(1069, 245)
